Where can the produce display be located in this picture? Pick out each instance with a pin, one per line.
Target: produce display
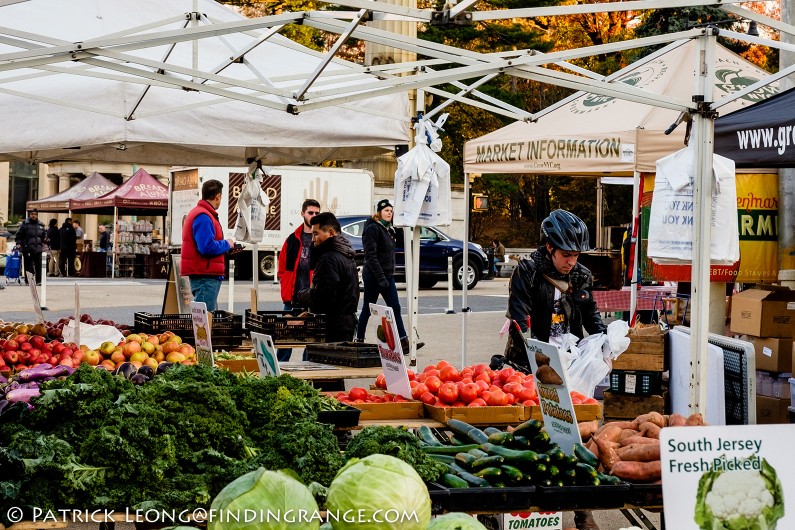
(630, 450)
(54, 330)
(24, 386)
(26, 351)
(442, 385)
(362, 395)
(524, 455)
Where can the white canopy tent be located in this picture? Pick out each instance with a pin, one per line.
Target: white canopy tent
(119, 54)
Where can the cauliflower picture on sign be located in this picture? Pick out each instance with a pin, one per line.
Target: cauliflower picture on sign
(740, 500)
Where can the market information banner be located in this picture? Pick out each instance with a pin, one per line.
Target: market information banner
(728, 477)
(202, 333)
(388, 340)
(34, 295)
(265, 352)
(553, 394)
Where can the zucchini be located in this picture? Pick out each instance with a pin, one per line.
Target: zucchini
(585, 471)
(585, 456)
(455, 440)
(448, 449)
(570, 474)
(556, 455)
(543, 458)
(520, 442)
(466, 431)
(500, 438)
(540, 442)
(478, 436)
(489, 472)
(471, 479)
(541, 469)
(488, 461)
(491, 430)
(477, 453)
(570, 460)
(425, 434)
(528, 429)
(511, 456)
(445, 459)
(453, 481)
(465, 460)
(513, 474)
(608, 479)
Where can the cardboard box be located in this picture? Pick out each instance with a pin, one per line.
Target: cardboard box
(771, 410)
(763, 312)
(773, 354)
(239, 365)
(583, 412)
(402, 410)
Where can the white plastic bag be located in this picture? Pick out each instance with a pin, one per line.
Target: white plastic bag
(590, 367)
(617, 341)
(252, 206)
(92, 336)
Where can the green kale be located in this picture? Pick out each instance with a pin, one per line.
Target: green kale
(397, 442)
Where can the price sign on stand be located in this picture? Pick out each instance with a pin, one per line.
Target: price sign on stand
(553, 394)
(34, 294)
(545, 520)
(265, 352)
(201, 333)
(728, 476)
(388, 340)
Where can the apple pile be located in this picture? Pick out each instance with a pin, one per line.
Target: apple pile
(27, 351)
(141, 349)
(358, 395)
(442, 385)
(54, 330)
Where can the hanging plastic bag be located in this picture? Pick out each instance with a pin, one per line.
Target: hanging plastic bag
(594, 360)
(252, 206)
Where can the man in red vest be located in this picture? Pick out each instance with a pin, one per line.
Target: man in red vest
(204, 247)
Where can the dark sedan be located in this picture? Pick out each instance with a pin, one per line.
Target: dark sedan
(435, 248)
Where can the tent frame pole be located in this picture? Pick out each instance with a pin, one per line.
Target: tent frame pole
(465, 280)
(115, 242)
(634, 234)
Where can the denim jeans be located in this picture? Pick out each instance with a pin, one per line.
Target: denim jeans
(283, 354)
(371, 292)
(205, 289)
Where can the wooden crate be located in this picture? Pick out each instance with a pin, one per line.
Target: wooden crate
(509, 415)
(583, 412)
(646, 352)
(400, 410)
(629, 407)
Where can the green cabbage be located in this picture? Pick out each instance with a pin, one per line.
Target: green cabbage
(378, 492)
(265, 500)
(455, 521)
(740, 500)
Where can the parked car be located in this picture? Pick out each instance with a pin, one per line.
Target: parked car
(435, 248)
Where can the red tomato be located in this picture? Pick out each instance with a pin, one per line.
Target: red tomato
(399, 399)
(466, 372)
(511, 399)
(477, 403)
(418, 390)
(414, 383)
(467, 380)
(516, 378)
(357, 401)
(442, 364)
(505, 373)
(448, 393)
(458, 384)
(357, 393)
(483, 385)
(577, 395)
(529, 403)
(375, 399)
(421, 377)
(459, 404)
(412, 375)
(449, 373)
(498, 398)
(432, 372)
(428, 368)
(387, 398)
(483, 377)
(341, 395)
(528, 394)
(380, 381)
(512, 388)
(469, 392)
(480, 368)
(433, 383)
(428, 398)
(576, 401)
(590, 401)
(485, 396)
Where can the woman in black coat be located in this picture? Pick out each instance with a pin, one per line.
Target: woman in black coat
(54, 239)
(378, 276)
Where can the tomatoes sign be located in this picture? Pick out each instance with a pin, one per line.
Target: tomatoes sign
(545, 520)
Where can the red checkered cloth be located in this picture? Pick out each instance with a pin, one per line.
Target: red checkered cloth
(648, 298)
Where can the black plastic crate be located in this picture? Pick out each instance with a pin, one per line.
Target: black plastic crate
(354, 354)
(340, 418)
(226, 332)
(486, 500)
(636, 382)
(645, 495)
(286, 328)
(439, 497)
(602, 497)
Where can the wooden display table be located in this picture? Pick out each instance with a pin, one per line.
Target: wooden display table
(333, 378)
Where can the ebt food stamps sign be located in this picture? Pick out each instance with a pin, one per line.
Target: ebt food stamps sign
(553, 394)
(388, 340)
(728, 477)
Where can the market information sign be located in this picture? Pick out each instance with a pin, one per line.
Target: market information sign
(201, 333)
(34, 295)
(738, 476)
(388, 340)
(553, 394)
(265, 352)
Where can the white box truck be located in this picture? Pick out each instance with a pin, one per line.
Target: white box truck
(338, 190)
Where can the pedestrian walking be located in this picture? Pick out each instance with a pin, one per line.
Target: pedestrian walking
(32, 237)
(68, 248)
(54, 240)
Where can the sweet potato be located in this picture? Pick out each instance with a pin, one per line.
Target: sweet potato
(609, 432)
(607, 453)
(694, 420)
(592, 447)
(650, 430)
(637, 471)
(627, 433)
(636, 440)
(652, 417)
(626, 424)
(676, 420)
(587, 429)
(639, 452)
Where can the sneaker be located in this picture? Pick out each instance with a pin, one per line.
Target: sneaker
(404, 343)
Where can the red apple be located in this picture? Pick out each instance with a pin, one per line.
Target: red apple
(11, 345)
(22, 338)
(25, 346)
(11, 357)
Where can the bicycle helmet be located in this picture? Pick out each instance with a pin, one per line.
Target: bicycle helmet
(565, 231)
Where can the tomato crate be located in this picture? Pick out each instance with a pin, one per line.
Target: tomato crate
(286, 328)
(226, 330)
(353, 354)
(637, 382)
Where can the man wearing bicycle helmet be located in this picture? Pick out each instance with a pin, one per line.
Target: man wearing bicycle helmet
(550, 295)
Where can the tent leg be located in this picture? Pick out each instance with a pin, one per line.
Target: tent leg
(464, 279)
(415, 302)
(408, 259)
(635, 261)
(600, 244)
(115, 242)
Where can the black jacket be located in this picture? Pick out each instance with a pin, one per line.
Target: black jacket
(54, 238)
(68, 239)
(31, 236)
(335, 287)
(531, 294)
(104, 240)
(379, 250)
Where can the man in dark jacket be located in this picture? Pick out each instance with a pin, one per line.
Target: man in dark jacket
(31, 236)
(54, 240)
(335, 282)
(550, 295)
(68, 248)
